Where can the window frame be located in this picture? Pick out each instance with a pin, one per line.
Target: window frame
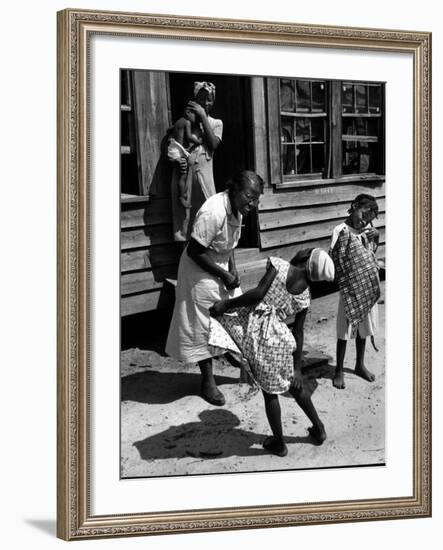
(307, 115)
(333, 169)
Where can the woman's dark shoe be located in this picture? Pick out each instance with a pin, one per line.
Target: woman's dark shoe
(214, 397)
(317, 435)
(275, 447)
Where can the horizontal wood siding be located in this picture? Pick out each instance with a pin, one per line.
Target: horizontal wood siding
(140, 281)
(157, 211)
(306, 232)
(289, 220)
(146, 236)
(148, 301)
(318, 195)
(148, 256)
(299, 217)
(143, 258)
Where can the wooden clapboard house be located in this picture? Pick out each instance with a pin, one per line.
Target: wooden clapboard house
(316, 143)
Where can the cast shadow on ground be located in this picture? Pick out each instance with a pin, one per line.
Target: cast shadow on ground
(159, 388)
(310, 376)
(325, 370)
(216, 436)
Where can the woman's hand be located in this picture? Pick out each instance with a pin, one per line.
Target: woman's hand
(218, 309)
(233, 271)
(297, 382)
(197, 108)
(230, 281)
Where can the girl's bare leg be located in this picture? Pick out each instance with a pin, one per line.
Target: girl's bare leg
(209, 390)
(339, 377)
(276, 443)
(360, 369)
(304, 401)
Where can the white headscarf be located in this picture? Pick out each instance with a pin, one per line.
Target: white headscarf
(208, 86)
(320, 266)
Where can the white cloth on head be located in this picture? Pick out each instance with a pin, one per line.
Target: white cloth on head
(320, 266)
(208, 86)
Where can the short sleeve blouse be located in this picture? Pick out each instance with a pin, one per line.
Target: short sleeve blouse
(215, 226)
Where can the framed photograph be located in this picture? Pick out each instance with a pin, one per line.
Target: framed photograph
(236, 201)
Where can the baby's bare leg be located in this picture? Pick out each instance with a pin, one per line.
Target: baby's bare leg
(182, 191)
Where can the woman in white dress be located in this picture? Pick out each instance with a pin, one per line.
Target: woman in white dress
(207, 274)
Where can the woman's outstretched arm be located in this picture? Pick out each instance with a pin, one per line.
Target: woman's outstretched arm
(249, 298)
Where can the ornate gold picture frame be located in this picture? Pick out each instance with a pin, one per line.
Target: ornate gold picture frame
(75, 517)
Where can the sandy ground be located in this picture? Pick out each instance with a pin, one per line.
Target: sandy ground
(167, 429)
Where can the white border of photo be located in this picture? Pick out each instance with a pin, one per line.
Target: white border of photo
(109, 494)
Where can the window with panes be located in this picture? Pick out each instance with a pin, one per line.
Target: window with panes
(330, 129)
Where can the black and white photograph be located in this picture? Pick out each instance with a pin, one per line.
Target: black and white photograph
(252, 273)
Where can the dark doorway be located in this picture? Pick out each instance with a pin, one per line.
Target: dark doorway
(233, 107)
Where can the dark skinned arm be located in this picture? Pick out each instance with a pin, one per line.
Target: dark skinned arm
(190, 137)
(249, 298)
(203, 259)
(233, 267)
(210, 138)
(373, 235)
(180, 131)
(298, 332)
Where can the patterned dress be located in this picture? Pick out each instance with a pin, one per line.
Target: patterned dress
(261, 334)
(356, 272)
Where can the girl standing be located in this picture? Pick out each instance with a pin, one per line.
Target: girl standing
(353, 246)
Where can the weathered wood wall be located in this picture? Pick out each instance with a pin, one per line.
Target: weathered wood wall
(304, 218)
(288, 221)
(148, 254)
(289, 218)
(302, 215)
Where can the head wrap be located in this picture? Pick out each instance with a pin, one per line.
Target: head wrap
(208, 86)
(320, 266)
